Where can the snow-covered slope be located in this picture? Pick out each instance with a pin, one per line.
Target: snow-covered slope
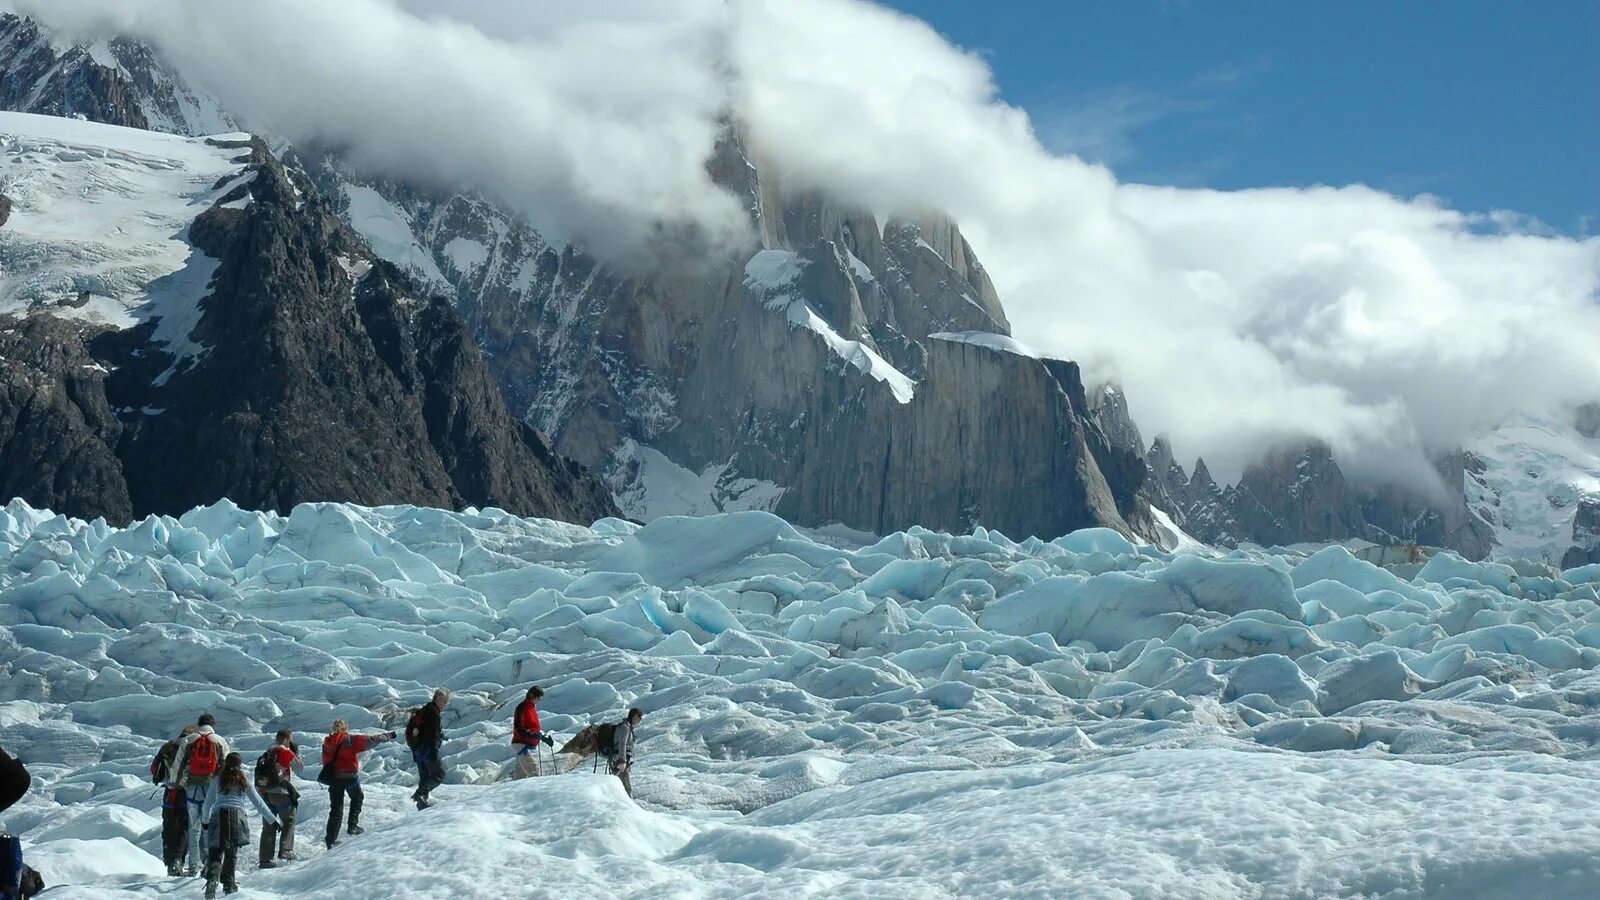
(1530, 478)
(928, 716)
(100, 217)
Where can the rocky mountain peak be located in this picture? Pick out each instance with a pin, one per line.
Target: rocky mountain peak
(299, 372)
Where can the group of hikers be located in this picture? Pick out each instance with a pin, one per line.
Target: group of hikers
(208, 793)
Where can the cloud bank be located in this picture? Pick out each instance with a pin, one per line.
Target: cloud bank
(1237, 321)
(594, 126)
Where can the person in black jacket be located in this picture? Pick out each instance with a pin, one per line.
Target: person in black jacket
(174, 804)
(14, 780)
(425, 735)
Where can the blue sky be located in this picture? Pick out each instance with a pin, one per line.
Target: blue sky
(1490, 105)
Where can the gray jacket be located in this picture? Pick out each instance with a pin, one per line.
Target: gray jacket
(622, 742)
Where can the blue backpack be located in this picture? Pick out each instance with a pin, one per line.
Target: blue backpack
(10, 867)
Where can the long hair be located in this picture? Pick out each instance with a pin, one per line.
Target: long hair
(233, 779)
(340, 726)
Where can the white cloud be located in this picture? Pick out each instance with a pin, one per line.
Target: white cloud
(595, 127)
(1236, 320)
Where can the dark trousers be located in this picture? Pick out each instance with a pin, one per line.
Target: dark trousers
(174, 827)
(225, 834)
(624, 771)
(337, 790)
(430, 771)
(271, 846)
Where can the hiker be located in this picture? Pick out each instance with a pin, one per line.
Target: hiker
(223, 818)
(341, 772)
(275, 782)
(14, 780)
(17, 879)
(174, 807)
(200, 758)
(621, 750)
(425, 735)
(526, 734)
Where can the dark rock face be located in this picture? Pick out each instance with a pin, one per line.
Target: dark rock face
(1301, 496)
(1588, 420)
(1585, 547)
(988, 428)
(313, 386)
(696, 363)
(36, 79)
(58, 435)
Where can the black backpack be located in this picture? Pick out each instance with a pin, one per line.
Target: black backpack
(414, 729)
(268, 773)
(162, 764)
(11, 868)
(605, 736)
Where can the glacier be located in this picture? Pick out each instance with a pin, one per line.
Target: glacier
(921, 715)
(100, 216)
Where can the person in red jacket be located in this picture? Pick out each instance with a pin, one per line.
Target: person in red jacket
(341, 772)
(276, 787)
(526, 734)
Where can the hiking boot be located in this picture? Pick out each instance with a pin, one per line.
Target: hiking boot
(423, 803)
(174, 870)
(191, 872)
(286, 856)
(211, 890)
(230, 889)
(354, 830)
(329, 844)
(267, 864)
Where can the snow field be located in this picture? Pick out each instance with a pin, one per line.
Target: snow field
(926, 716)
(100, 217)
(1535, 472)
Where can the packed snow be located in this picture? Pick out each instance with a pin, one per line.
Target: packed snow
(923, 716)
(1002, 343)
(1535, 472)
(99, 222)
(466, 255)
(773, 275)
(648, 485)
(389, 230)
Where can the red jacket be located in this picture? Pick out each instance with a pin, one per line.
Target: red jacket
(284, 756)
(525, 724)
(340, 751)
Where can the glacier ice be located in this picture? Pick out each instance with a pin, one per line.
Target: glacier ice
(927, 715)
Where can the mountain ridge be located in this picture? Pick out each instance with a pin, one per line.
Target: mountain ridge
(297, 370)
(695, 377)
